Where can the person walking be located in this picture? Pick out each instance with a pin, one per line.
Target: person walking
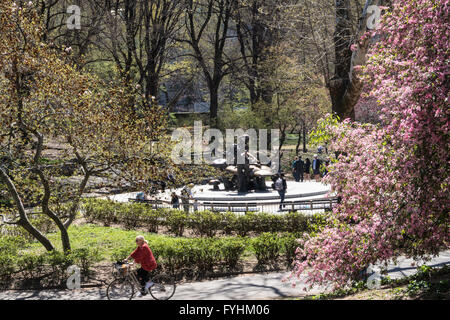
(175, 201)
(307, 169)
(299, 168)
(140, 196)
(316, 168)
(186, 195)
(281, 186)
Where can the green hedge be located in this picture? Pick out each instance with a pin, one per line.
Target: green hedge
(203, 255)
(50, 268)
(290, 245)
(206, 223)
(203, 223)
(174, 255)
(267, 248)
(196, 254)
(9, 247)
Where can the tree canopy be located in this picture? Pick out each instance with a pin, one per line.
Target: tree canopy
(393, 177)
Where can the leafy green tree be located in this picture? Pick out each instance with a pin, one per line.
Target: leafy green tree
(43, 99)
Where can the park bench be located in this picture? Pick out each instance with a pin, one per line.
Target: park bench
(242, 207)
(156, 204)
(231, 207)
(309, 205)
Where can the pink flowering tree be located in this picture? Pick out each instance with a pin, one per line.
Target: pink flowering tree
(367, 110)
(393, 177)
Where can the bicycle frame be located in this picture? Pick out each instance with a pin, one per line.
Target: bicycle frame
(132, 277)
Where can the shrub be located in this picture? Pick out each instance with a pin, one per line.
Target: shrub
(295, 222)
(267, 248)
(245, 223)
(59, 262)
(121, 253)
(316, 223)
(265, 222)
(176, 221)
(88, 208)
(51, 267)
(231, 250)
(131, 215)
(9, 246)
(229, 222)
(206, 254)
(205, 223)
(261, 222)
(101, 210)
(290, 244)
(176, 255)
(192, 255)
(151, 219)
(6, 265)
(31, 265)
(85, 258)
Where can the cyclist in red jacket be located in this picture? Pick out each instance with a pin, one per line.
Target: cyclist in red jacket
(144, 256)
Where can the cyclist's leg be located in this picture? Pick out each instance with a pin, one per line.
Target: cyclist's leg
(143, 277)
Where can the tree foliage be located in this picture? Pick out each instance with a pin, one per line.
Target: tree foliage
(44, 97)
(393, 178)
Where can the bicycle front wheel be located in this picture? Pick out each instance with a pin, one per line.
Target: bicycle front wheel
(120, 289)
(163, 287)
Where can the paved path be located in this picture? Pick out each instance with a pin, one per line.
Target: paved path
(266, 201)
(295, 190)
(259, 286)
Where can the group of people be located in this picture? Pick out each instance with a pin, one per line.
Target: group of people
(301, 170)
(184, 198)
(186, 195)
(143, 255)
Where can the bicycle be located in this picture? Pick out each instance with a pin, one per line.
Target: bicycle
(127, 284)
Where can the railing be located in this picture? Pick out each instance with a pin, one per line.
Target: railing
(325, 204)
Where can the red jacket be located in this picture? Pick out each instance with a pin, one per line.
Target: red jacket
(144, 256)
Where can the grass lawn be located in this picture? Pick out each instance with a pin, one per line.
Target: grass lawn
(105, 239)
(108, 239)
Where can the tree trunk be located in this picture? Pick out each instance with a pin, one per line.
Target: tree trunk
(304, 138)
(299, 141)
(36, 234)
(46, 210)
(151, 86)
(23, 221)
(76, 202)
(213, 106)
(345, 87)
(253, 95)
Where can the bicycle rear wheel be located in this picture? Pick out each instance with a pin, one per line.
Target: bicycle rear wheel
(120, 289)
(163, 287)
